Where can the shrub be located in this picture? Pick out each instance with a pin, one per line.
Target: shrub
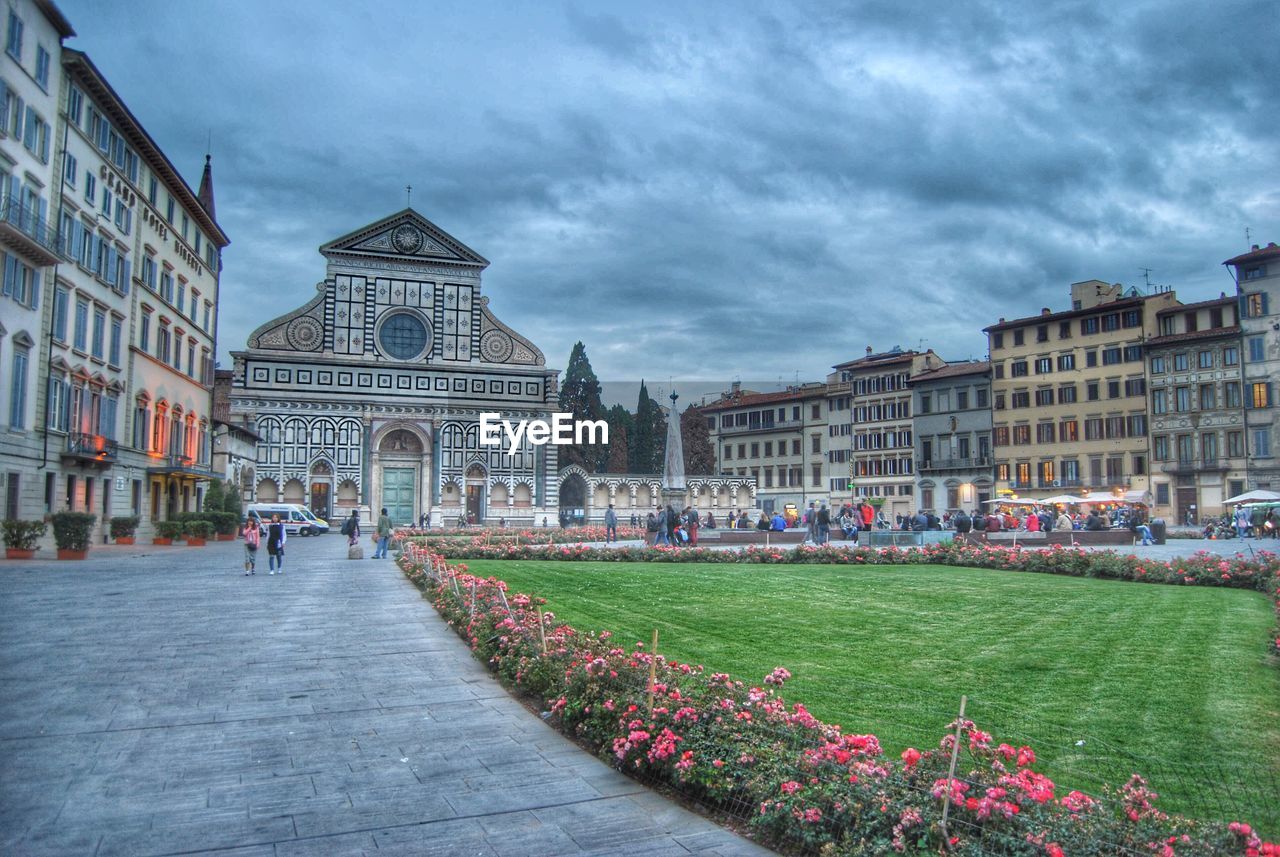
(198, 529)
(124, 526)
(169, 529)
(214, 496)
(23, 535)
(224, 523)
(72, 530)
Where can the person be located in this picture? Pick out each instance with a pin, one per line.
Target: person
(351, 528)
(1094, 522)
(711, 520)
(422, 521)
(1242, 521)
(811, 523)
(1032, 522)
(673, 520)
(962, 524)
(252, 537)
(1064, 521)
(824, 525)
(1270, 525)
(919, 522)
(994, 523)
(661, 534)
(692, 524)
(651, 525)
(276, 537)
(635, 520)
(1257, 520)
(544, 520)
(383, 535)
(979, 521)
(610, 525)
(778, 523)
(931, 521)
(744, 521)
(733, 518)
(1141, 529)
(763, 524)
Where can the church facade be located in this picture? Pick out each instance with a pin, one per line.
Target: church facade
(370, 394)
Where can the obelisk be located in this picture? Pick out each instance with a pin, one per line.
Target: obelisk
(673, 484)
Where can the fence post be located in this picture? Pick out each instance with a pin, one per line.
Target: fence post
(505, 605)
(473, 601)
(653, 669)
(542, 632)
(951, 773)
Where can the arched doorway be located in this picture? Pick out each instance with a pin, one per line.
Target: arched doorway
(400, 461)
(475, 494)
(321, 490)
(573, 498)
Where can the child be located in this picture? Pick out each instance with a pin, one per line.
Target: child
(252, 537)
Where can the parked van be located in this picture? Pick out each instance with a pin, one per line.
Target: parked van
(297, 520)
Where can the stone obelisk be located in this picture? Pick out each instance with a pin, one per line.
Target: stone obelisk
(673, 484)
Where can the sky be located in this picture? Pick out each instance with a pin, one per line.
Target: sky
(710, 191)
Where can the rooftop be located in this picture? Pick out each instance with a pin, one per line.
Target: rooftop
(953, 370)
(1257, 254)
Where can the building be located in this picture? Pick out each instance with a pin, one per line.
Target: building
(1197, 410)
(132, 317)
(1257, 275)
(952, 428)
(881, 426)
(1069, 396)
(369, 395)
(777, 440)
(30, 83)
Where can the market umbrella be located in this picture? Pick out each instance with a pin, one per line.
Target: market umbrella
(1063, 498)
(1252, 496)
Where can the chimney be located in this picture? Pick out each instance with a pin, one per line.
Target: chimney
(1045, 311)
(868, 350)
(735, 388)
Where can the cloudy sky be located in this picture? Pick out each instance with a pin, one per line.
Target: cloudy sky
(718, 190)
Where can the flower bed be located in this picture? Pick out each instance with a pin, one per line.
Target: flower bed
(526, 535)
(804, 784)
(1261, 573)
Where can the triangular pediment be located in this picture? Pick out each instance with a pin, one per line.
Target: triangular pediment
(406, 235)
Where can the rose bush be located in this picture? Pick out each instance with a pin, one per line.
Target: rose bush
(804, 784)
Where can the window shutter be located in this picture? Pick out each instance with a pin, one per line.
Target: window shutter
(127, 278)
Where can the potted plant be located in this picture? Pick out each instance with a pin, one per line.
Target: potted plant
(166, 532)
(20, 538)
(224, 524)
(72, 532)
(123, 529)
(197, 532)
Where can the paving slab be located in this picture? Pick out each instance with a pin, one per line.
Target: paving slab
(159, 702)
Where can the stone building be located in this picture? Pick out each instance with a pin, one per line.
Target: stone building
(1197, 410)
(369, 395)
(952, 426)
(880, 411)
(1257, 275)
(1069, 396)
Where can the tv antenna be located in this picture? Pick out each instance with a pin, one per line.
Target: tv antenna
(1248, 238)
(1146, 277)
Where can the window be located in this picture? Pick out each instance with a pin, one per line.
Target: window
(90, 188)
(168, 211)
(208, 307)
(926, 403)
(815, 442)
(1093, 428)
(1069, 431)
(1064, 330)
(997, 341)
(18, 390)
(1132, 353)
(1235, 444)
(1002, 472)
(182, 299)
(1042, 333)
(817, 476)
(149, 270)
(1111, 321)
(1159, 401)
(1180, 362)
(1191, 322)
(13, 44)
(1139, 465)
(1044, 365)
(1257, 272)
(1044, 433)
(144, 332)
(1206, 397)
(166, 284)
(42, 67)
(1066, 362)
(1257, 349)
(1182, 399)
(1260, 394)
(1089, 325)
(1231, 356)
(999, 370)
(1135, 387)
(962, 400)
(1255, 305)
(81, 339)
(1000, 435)
(1204, 359)
(1111, 356)
(982, 397)
(1017, 338)
(1113, 389)
(1091, 391)
(99, 333)
(1160, 448)
(1114, 427)
(1091, 358)
(1157, 366)
(20, 281)
(1021, 399)
(61, 301)
(162, 343)
(1132, 318)
(755, 450)
(1137, 425)
(1262, 443)
(1044, 397)
(1186, 448)
(36, 134)
(999, 406)
(1021, 435)
(1067, 394)
(117, 328)
(795, 449)
(1231, 392)
(1209, 447)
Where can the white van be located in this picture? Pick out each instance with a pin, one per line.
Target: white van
(297, 520)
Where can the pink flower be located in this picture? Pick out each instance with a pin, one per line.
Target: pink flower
(910, 756)
(791, 787)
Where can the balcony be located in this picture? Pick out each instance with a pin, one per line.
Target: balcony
(1189, 466)
(779, 425)
(937, 464)
(1059, 483)
(22, 230)
(178, 465)
(92, 450)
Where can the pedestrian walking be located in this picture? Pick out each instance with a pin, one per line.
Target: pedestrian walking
(610, 525)
(252, 538)
(383, 535)
(276, 537)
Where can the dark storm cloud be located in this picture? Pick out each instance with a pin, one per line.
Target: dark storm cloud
(699, 190)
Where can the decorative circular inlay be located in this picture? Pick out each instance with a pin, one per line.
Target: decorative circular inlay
(406, 239)
(403, 335)
(304, 334)
(496, 346)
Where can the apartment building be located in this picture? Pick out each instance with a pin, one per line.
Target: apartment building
(1069, 395)
(30, 80)
(1257, 275)
(880, 417)
(952, 428)
(779, 438)
(1197, 410)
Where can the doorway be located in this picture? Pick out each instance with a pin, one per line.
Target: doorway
(1186, 509)
(321, 505)
(398, 493)
(475, 503)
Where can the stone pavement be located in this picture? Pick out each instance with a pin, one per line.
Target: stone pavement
(157, 701)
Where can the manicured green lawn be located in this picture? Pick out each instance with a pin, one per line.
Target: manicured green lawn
(1167, 681)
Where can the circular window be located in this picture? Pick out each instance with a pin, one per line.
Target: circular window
(403, 336)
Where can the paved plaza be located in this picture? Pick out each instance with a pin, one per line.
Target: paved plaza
(157, 701)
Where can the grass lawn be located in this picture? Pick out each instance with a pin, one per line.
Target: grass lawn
(1166, 681)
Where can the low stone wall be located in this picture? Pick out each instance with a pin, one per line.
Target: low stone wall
(1067, 538)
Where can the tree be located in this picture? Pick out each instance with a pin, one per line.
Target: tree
(231, 499)
(699, 455)
(214, 496)
(580, 396)
(621, 424)
(648, 440)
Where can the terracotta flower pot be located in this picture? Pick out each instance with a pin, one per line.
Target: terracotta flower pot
(226, 537)
(195, 542)
(161, 540)
(18, 553)
(124, 540)
(70, 554)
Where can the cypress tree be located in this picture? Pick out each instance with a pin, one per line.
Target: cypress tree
(621, 424)
(580, 396)
(699, 456)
